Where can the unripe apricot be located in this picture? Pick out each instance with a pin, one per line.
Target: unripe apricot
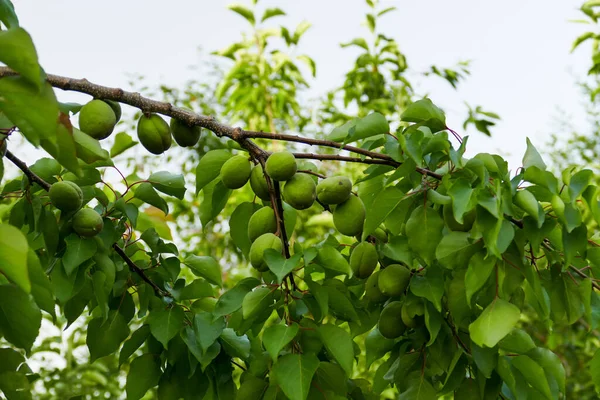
(259, 183)
(393, 280)
(116, 107)
(184, 135)
(281, 165)
(66, 196)
(154, 133)
(349, 216)
(334, 190)
(262, 243)
(261, 222)
(363, 260)
(390, 321)
(235, 172)
(97, 119)
(87, 222)
(372, 292)
(300, 191)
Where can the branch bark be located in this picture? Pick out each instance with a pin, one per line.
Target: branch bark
(33, 178)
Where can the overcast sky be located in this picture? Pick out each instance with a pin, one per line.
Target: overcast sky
(522, 68)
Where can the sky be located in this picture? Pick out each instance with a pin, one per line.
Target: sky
(522, 67)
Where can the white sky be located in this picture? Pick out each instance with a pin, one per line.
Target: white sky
(522, 68)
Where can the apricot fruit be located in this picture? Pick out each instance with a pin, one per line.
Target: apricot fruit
(184, 134)
(97, 119)
(300, 191)
(261, 222)
(363, 260)
(116, 107)
(262, 243)
(154, 133)
(390, 323)
(66, 196)
(349, 216)
(259, 183)
(334, 190)
(393, 280)
(281, 165)
(87, 222)
(235, 172)
(372, 292)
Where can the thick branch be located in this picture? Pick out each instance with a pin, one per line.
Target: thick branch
(33, 178)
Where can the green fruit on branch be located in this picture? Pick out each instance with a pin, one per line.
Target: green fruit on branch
(334, 190)
(87, 222)
(97, 119)
(262, 243)
(308, 166)
(453, 224)
(393, 280)
(380, 235)
(261, 222)
(154, 133)
(116, 107)
(259, 183)
(390, 323)
(184, 134)
(372, 292)
(66, 196)
(349, 216)
(281, 165)
(235, 172)
(363, 260)
(300, 191)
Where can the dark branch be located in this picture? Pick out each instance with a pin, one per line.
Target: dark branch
(33, 178)
(159, 292)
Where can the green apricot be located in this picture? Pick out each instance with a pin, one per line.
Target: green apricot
(259, 183)
(453, 224)
(154, 133)
(372, 292)
(261, 222)
(310, 340)
(390, 321)
(235, 172)
(281, 165)
(334, 190)
(393, 280)
(184, 135)
(97, 119)
(87, 222)
(116, 107)
(66, 196)
(363, 260)
(262, 243)
(300, 191)
(380, 235)
(349, 216)
(308, 166)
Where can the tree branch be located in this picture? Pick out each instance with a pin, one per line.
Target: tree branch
(208, 122)
(33, 178)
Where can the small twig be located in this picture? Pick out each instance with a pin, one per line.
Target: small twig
(29, 173)
(159, 292)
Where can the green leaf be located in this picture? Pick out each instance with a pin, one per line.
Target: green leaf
(418, 389)
(427, 112)
(331, 259)
(533, 373)
(236, 346)
(433, 322)
(340, 305)
(385, 202)
(452, 247)
(532, 157)
(166, 324)
(430, 286)
(65, 150)
(144, 373)
(270, 13)
(478, 272)
(206, 267)
(485, 358)
(41, 288)
(238, 226)
(231, 300)
(34, 111)
(293, 373)
(133, 343)
(279, 265)
(551, 364)
(518, 341)
(494, 323)
(360, 42)
(168, 183)
(198, 289)
(147, 194)
(243, 11)
(105, 337)
(371, 125)
(18, 52)
(424, 232)
(89, 149)
(377, 346)
(339, 344)
(209, 167)
(78, 251)
(339, 133)
(215, 199)
(122, 142)
(207, 329)
(256, 301)
(20, 317)
(13, 256)
(276, 337)
(7, 14)
(595, 370)
(579, 182)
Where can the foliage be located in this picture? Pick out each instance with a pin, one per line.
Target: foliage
(479, 265)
